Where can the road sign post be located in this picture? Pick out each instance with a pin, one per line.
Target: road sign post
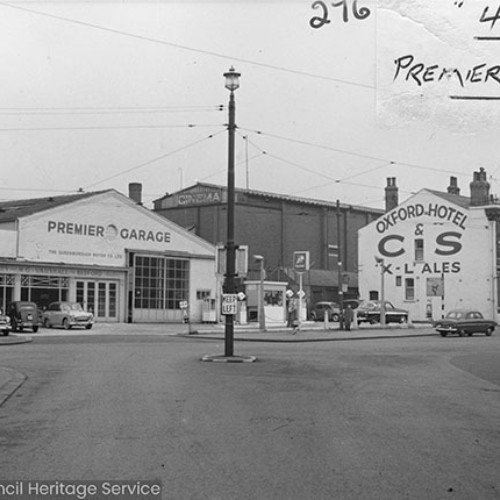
(229, 304)
(300, 265)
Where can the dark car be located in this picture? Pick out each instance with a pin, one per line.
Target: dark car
(5, 325)
(23, 314)
(464, 322)
(67, 315)
(318, 311)
(354, 303)
(369, 311)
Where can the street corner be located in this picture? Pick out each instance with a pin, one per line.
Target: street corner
(15, 339)
(10, 381)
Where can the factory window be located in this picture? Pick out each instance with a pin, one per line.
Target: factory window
(160, 282)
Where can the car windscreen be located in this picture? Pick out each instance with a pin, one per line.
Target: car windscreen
(454, 315)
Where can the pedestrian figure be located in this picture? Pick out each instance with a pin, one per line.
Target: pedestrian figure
(290, 313)
(348, 314)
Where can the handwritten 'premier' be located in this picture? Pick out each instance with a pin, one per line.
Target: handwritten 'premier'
(419, 73)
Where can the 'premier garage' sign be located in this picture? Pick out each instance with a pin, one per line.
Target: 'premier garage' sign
(109, 232)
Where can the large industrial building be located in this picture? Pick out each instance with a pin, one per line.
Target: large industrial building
(275, 226)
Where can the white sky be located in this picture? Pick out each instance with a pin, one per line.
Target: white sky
(116, 86)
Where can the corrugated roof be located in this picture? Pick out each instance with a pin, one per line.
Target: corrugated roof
(15, 209)
(277, 196)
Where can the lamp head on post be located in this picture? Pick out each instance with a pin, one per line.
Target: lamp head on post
(232, 79)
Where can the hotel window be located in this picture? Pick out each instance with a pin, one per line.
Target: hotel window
(410, 289)
(419, 249)
(398, 280)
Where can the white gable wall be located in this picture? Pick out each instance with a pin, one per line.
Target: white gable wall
(88, 242)
(8, 239)
(459, 248)
(98, 230)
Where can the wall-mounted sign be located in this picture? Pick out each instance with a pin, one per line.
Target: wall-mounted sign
(187, 199)
(435, 287)
(110, 232)
(301, 261)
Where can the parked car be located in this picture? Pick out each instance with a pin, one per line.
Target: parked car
(67, 315)
(464, 322)
(354, 303)
(5, 326)
(23, 314)
(368, 311)
(318, 311)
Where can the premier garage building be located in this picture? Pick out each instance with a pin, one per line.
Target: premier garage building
(120, 260)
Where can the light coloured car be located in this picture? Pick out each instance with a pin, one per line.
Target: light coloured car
(321, 308)
(5, 325)
(67, 315)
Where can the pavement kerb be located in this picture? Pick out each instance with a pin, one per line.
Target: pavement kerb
(299, 339)
(10, 381)
(15, 339)
(309, 334)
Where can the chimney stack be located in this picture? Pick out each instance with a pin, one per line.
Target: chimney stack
(135, 192)
(391, 194)
(453, 187)
(479, 189)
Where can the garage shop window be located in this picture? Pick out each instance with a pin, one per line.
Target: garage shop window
(44, 289)
(410, 289)
(160, 282)
(6, 290)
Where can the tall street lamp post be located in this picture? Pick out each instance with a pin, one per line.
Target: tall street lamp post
(232, 83)
(339, 271)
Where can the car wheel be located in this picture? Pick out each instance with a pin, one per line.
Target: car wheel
(489, 331)
(35, 329)
(46, 323)
(66, 324)
(335, 317)
(88, 327)
(443, 334)
(5, 333)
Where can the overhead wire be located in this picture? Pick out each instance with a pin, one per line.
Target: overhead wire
(68, 111)
(345, 151)
(107, 127)
(187, 48)
(153, 160)
(333, 180)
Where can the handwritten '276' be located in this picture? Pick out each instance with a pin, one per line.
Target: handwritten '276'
(319, 21)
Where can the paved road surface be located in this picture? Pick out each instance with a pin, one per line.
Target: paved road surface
(412, 418)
